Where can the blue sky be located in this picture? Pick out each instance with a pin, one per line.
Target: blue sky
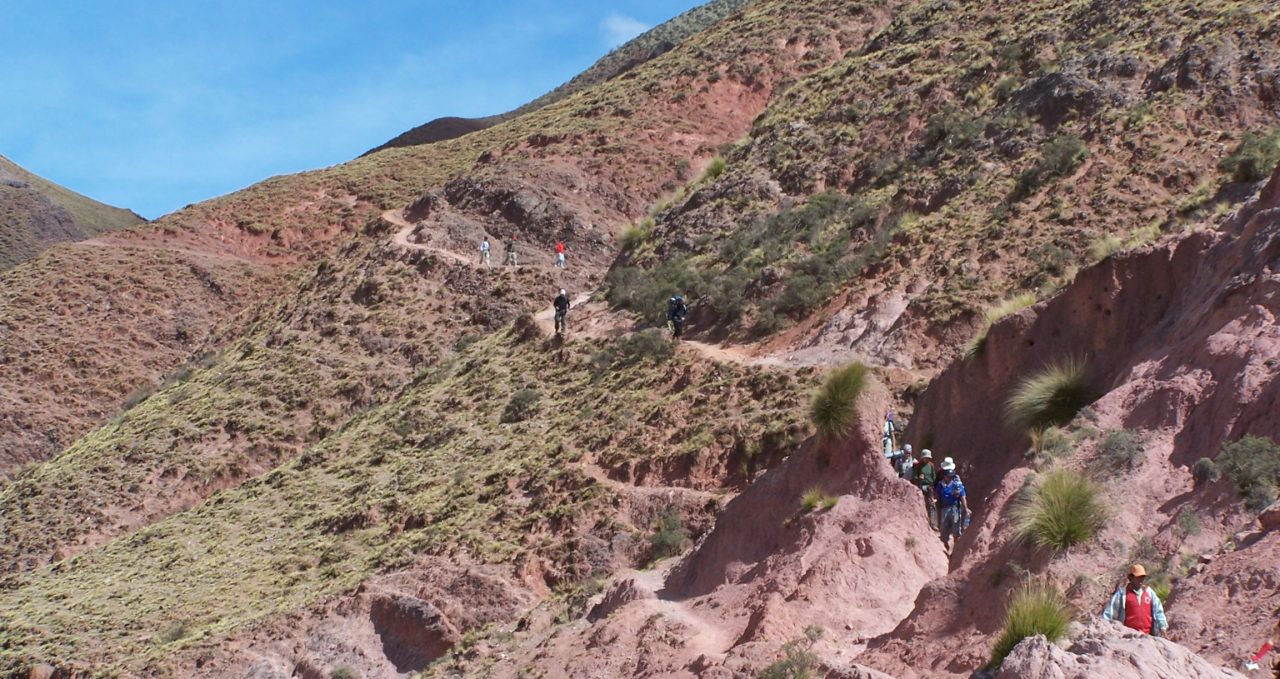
(154, 105)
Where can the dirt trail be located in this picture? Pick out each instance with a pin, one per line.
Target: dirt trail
(401, 239)
(709, 637)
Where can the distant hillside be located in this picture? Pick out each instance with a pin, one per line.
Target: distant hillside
(648, 45)
(36, 214)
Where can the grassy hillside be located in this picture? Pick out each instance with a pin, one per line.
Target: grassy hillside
(36, 214)
(448, 466)
(385, 409)
(967, 153)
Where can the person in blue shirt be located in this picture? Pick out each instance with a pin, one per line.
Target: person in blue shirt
(952, 501)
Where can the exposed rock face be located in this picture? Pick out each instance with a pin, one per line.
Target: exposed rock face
(1104, 650)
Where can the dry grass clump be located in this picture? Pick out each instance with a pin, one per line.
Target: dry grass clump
(833, 411)
(1063, 510)
(1050, 397)
(1036, 608)
(1013, 305)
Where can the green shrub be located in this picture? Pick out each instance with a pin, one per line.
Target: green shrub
(1062, 511)
(174, 632)
(1050, 397)
(1255, 157)
(798, 661)
(834, 410)
(814, 499)
(1253, 465)
(647, 291)
(633, 236)
(1189, 522)
(669, 536)
(1059, 157)
(715, 168)
(1204, 471)
(1036, 608)
(953, 128)
(1008, 307)
(522, 406)
(343, 672)
(647, 345)
(1119, 450)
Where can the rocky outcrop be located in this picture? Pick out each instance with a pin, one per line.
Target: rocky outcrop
(1104, 650)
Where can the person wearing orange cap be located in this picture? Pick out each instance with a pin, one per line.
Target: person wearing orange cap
(1137, 605)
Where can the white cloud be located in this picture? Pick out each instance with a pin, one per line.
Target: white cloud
(618, 29)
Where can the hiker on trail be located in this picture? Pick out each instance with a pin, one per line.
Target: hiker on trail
(562, 309)
(952, 502)
(924, 476)
(1267, 647)
(511, 250)
(676, 312)
(560, 254)
(1136, 605)
(484, 251)
(904, 462)
(889, 437)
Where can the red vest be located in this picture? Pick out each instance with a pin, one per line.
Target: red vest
(1138, 610)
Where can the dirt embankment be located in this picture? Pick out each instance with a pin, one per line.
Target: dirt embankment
(1183, 351)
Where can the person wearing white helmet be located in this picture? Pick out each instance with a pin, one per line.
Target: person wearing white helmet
(904, 462)
(562, 309)
(924, 476)
(952, 501)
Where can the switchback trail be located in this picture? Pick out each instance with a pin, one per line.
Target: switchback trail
(401, 239)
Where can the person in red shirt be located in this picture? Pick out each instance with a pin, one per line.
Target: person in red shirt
(560, 254)
(1137, 605)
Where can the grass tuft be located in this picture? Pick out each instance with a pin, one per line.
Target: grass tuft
(833, 410)
(1064, 510)
(976, 346)
(1036, 608)
(814, 499)
(1050, 397)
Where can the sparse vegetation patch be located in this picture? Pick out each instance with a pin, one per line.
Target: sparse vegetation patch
(1253, 465)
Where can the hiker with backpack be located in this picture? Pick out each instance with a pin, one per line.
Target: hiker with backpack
(561, 305)
(1136, 606)
(560, 254)
(924, 476)
(889, 437)
(952, 503)
(511, 250)
(676, 313)
(484, 251)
